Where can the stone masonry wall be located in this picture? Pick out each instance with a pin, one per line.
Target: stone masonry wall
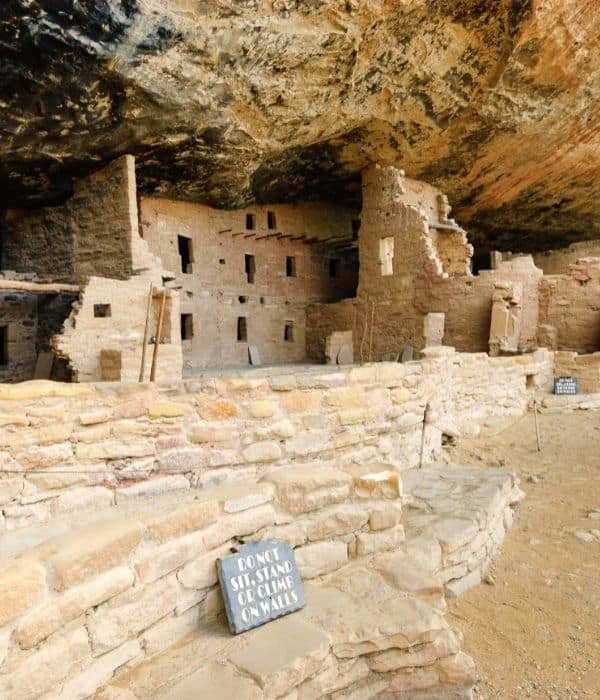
(88, 235)
(556, 262)
(429, 272)
(118, 441)
(217, 291)
(569, 304)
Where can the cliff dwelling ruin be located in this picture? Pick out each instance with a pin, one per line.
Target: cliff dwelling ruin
(299, 350)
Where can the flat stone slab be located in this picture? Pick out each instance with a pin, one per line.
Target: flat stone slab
(259, 584)
(282, 655)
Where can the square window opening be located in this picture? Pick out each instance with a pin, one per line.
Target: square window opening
(250, 268)
(288, 332)
(187, 326)
(250, 222)
(271, 220)
(334, 267)
(102, 311)
(290, 266)
(242, 329)
(243, 300)
(184, 246)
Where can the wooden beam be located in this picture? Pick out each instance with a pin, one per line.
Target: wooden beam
(444, 227)
(238, 233)
(225, 230)
(266, 235)
(39, 287)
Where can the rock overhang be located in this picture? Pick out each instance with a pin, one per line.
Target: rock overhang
(231, 103)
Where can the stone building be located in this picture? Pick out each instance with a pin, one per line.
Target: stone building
(281, 283)
(117, 497)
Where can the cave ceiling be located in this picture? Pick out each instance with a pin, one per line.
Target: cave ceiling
(232, 102)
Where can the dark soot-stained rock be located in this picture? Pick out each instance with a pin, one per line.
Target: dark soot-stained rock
(229, 102)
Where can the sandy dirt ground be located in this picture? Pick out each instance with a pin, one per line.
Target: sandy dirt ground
(534, 629)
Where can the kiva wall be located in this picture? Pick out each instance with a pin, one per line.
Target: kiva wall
(113, 442)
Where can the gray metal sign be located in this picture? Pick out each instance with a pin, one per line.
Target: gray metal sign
(259, 584)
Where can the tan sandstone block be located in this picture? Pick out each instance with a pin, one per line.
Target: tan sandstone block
(390, 373)
(181, 519)
(240, 524)
(22, 585)
(54, 433)
(262, 452)
(40, 388)
(82, 498)
(444, 644)
(301, 401)
(210, 409)
(116, 449)
(363, 375)
(10, 488)
(87, 552)
(349, 437)
(278, 668)
(99, 672)
(102, 415)
(13, 419)
(321, 558)
(167, 409)
(155, 563)
(201, 572)
(58, 611)
(340, 520)
(352, 416)
(200, 434)
(43, 456)
(375, 481)
(346, 397)
(263, 409)
(36, 674)
(400, 396)
(385, 515)
(459, 669)
(116, 621)
(370, 542)
(218, 680)
(303, 489)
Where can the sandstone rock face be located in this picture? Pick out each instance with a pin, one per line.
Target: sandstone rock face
(229, 102)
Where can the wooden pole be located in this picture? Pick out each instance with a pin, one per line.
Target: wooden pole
(537, 427)
(161, 315)
(364, 335)
(423, 435)
(371, 330)
(146, 332)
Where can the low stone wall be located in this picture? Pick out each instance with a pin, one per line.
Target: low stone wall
(65, 448)
(585, 367)
(78, 605)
